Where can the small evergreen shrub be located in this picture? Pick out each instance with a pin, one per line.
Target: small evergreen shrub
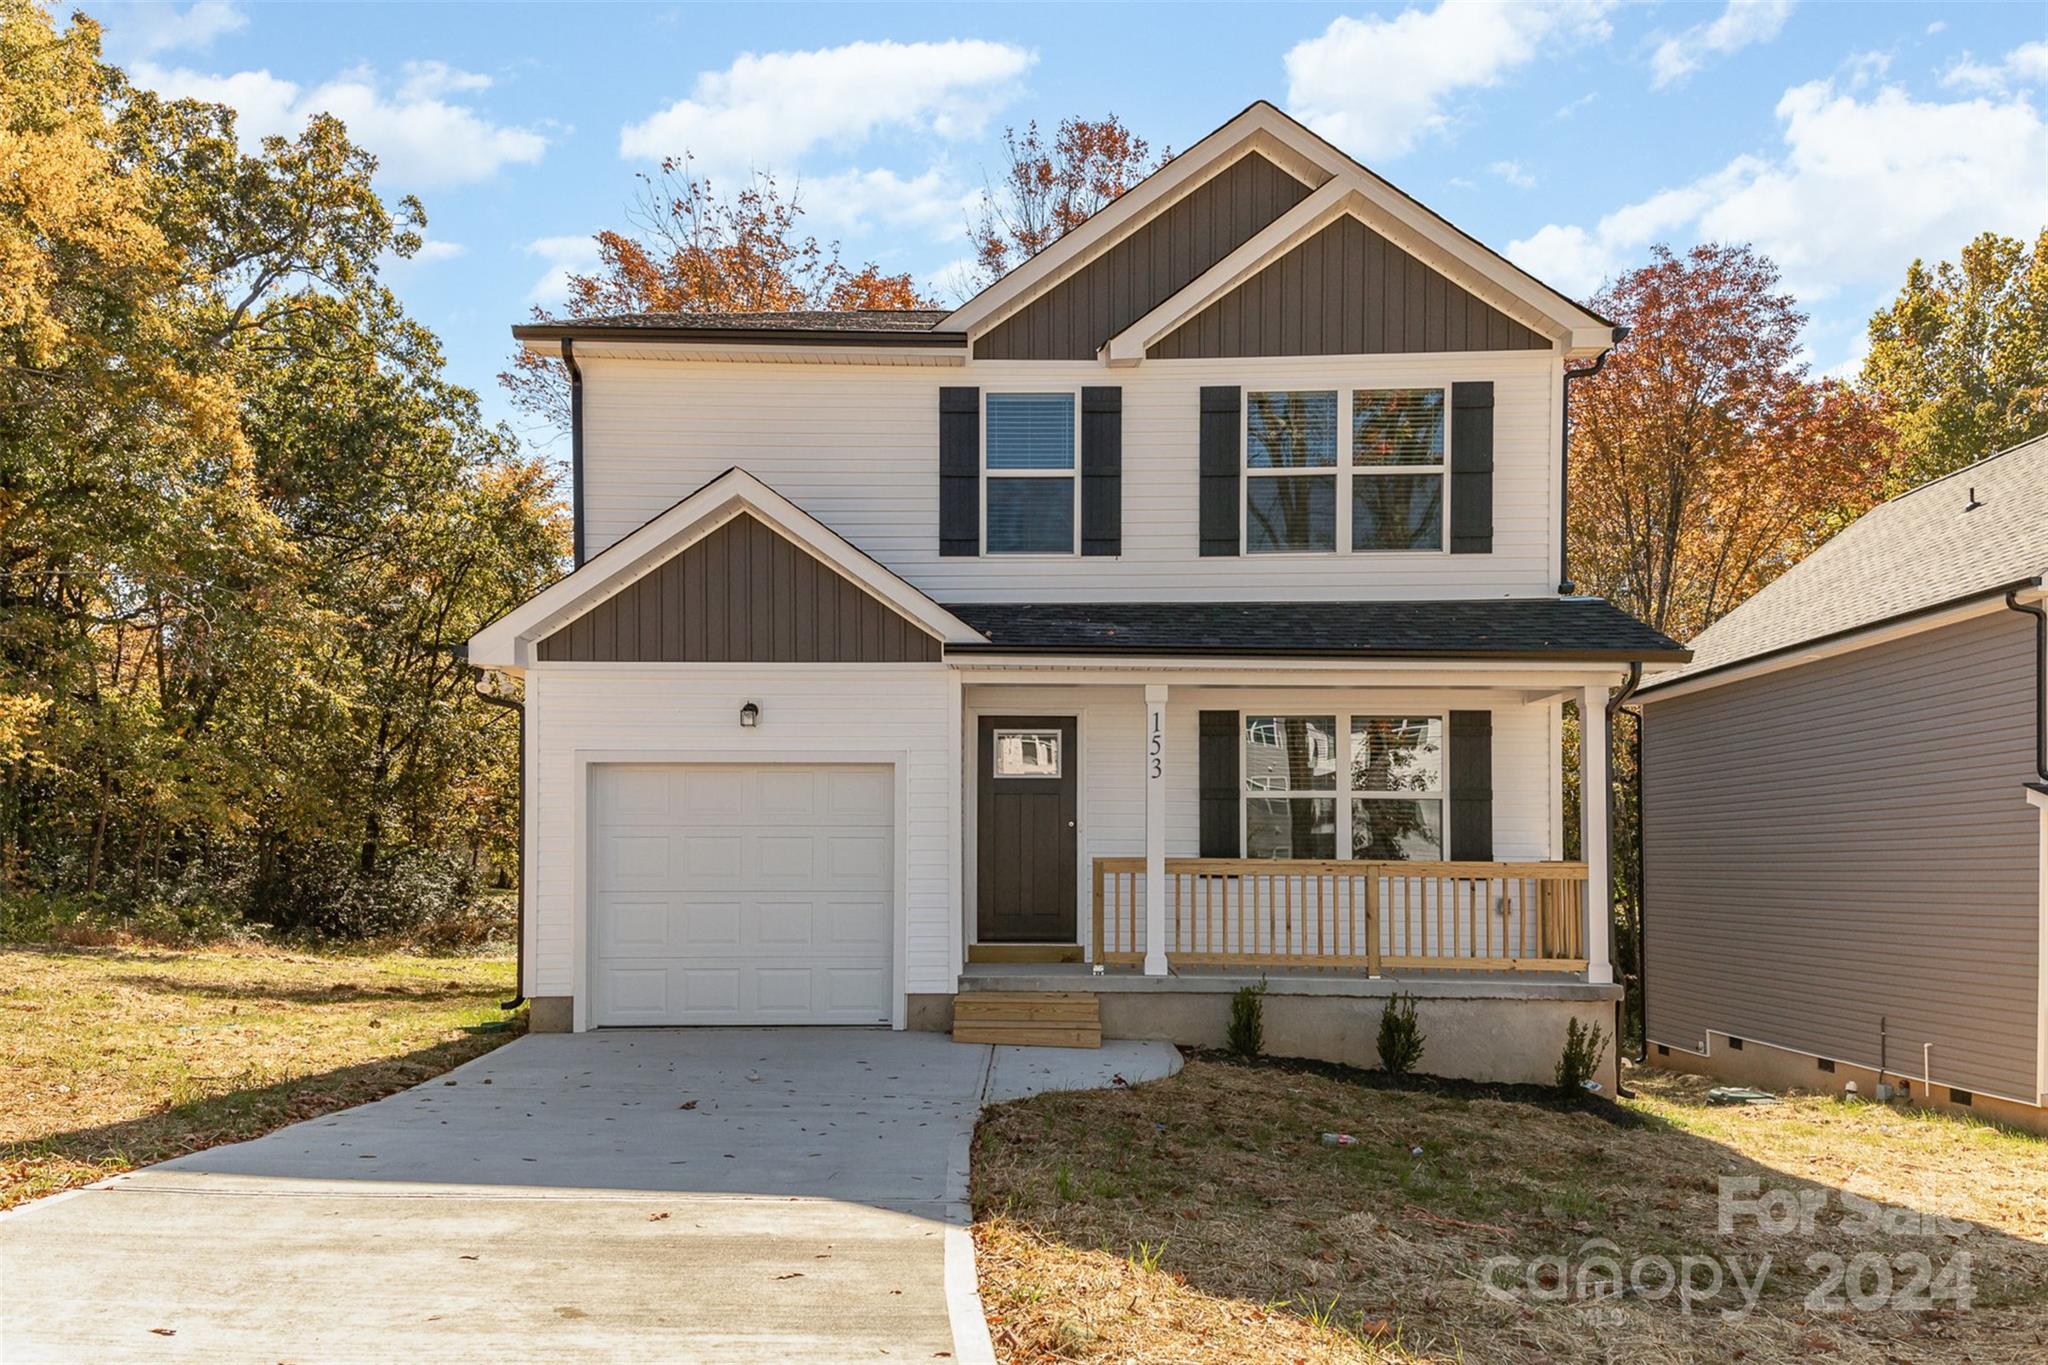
(1247, 1033)
(1583, 1048)
(1400, 1036)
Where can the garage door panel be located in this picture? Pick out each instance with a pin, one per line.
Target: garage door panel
(858, 797)
(730, 895)
(709, 859)
(789, 796)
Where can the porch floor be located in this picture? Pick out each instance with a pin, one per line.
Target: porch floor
(1080, 976)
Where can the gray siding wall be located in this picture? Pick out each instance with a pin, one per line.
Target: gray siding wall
(1346, 291)
(1073, 320)
(1850, 839)
(741, 594)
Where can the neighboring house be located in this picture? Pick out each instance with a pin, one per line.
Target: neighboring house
(1846, 811)
(1187, 603)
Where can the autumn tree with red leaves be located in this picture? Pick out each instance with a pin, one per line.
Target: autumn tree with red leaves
(1045, 192)
(1705, 460)
(688, 249)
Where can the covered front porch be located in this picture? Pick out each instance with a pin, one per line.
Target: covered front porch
(1186, 792)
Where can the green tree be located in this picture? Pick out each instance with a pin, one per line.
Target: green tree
(243, 518)
(1960, 357)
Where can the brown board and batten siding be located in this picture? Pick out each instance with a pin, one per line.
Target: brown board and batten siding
(1072, 320)
(1850, 839)
(1346, 291)
(741, 594)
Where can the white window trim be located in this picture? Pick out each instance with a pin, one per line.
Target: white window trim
(1344, 470)
(1074, 473)
(1343, 793)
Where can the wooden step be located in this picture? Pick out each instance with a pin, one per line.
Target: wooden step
(1028, 1018)
(1024, 952)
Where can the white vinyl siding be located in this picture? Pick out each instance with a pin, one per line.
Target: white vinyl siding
(680, 712)
(1527, 771)
(857, 447)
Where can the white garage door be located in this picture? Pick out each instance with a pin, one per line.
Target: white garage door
(725, 894)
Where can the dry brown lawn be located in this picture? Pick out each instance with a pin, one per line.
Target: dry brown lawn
(112, 1058)
(1201, 1219)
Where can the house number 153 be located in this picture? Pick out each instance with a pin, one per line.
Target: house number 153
(1156, 747)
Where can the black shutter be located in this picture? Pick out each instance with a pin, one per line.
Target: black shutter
(1471, 784)
(1222, 468)
(1219, 782)
(1472, 469)
(1102, 471)
(959, 471)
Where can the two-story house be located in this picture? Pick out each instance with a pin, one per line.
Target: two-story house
(1185, 608)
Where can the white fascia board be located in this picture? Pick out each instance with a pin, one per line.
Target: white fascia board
(507, 642)
(1876, 633)
(1267, 245)
(1026, 669)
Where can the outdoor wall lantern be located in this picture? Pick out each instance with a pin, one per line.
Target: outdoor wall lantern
(750, 716)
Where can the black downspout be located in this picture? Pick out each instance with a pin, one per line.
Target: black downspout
(575, 449)
(519, 982)
(2040, 615)
(1565, 586)
(1614, 705)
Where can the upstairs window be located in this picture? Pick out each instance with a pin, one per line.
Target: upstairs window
(1290, 489)
(1397, 469)
(1031, 494)
(1353, 469)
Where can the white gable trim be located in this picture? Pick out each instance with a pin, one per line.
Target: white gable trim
(508, 642)
(1262, 127)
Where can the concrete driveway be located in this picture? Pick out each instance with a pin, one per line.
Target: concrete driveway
(759, 1194)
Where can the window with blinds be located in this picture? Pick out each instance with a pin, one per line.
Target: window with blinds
(1397, 435)
(1291, 464)
(1029, 457)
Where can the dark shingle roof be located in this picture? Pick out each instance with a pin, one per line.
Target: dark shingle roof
(1922, 550)
(886, 324)
(1555, 628)
(813, 320)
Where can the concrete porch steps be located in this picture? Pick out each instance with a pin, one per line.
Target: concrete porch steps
(1028, 1018)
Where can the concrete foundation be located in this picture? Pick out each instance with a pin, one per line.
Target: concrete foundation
(550, 1014)
(929, 1013)
(1473, 1029)
(1775, 1068)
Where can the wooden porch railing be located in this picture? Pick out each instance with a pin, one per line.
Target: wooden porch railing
(1467, 916)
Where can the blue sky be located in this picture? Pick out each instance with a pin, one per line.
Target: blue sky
(1842, 139)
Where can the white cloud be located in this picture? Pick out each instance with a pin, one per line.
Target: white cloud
(1377, 87)
(768, 109)
(142, 30)
(1515, 173)
(433, 250)
(933, 201)
(421, 140)
(1743, 23)
(2026, 64)
(1860, 187)
(567, 255)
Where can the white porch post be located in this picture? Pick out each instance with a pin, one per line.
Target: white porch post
(1593, 833)
(1155, 829)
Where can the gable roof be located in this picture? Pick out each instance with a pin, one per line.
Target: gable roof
(1260, 131)
(1265, 129)
(510, 642)
(1976, 533)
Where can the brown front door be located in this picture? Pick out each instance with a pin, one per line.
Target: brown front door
(1025, 836)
